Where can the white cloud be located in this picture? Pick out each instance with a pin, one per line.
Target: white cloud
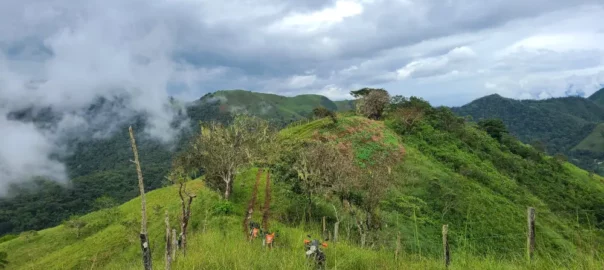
(24, 153)
(317, 20)
(557, 42)
(301, 81)
(434, 66)
(489, 85)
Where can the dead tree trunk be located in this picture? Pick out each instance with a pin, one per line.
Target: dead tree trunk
(185, 215)
(145, 247)
(267, 202)
(362, 231)
(336, 226)
(228, 185)
(168, 243)
(251, 205)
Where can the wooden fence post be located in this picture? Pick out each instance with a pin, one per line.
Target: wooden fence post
(145, 247)
(324, 228)
(168, 243)
(336, 226)
(174, 244)
(530, 237)
(447, 253)
(398, 246)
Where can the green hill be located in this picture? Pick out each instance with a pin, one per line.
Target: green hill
(594, 141)
(560, 123)
(598, 97)
(345, 105)
(451, 173)
(269, 106)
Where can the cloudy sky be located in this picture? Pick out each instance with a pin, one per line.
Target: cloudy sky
(67, 53)
(447, 51)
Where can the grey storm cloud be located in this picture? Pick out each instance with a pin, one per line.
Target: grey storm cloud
(66, 54)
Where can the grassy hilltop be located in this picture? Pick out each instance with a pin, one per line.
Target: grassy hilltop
(451, 172)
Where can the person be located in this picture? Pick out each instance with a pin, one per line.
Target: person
(313, 250)
(269, 239)
(254, 230)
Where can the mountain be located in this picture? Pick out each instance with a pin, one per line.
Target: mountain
(451, 172)
(598, 97)
(559, 123)
(101, 166)
(277, 108)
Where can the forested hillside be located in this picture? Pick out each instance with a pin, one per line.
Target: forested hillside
(560, 125)
(389, 183)
(598, 97)
(101, 166)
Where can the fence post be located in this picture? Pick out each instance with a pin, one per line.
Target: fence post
(530, 237)
(398, 246)
(324, 228)
(447, 253)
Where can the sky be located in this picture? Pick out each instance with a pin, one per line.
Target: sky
(66, 54)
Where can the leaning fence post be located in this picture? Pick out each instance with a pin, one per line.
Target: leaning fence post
(530, 237)
(447, 253)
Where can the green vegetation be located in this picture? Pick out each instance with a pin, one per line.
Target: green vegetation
(345, 105)
(563, 125)
(598, 97)
(419, 168)
(594, 141)
(279, 109)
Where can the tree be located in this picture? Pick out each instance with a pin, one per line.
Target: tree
(322, 112)
(494, 127)
(324, 168)
(178, 176)
(364, 92)
(371, 102)
(76, 224)
(221, 151)
(539, 146)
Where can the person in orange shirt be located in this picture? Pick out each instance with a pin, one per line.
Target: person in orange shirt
(269, 239)
(254, 230)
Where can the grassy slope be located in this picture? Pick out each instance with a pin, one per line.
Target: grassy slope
(486, 217)
(594, 141)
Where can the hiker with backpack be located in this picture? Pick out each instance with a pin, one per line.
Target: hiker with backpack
(313, 250)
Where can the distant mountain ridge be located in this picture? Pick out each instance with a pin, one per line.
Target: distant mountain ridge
(562, 124)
